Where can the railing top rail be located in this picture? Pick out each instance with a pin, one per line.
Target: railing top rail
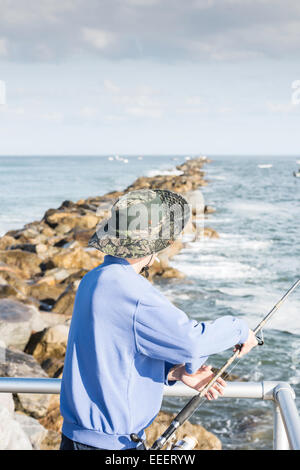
(259, 390)
(280, 392)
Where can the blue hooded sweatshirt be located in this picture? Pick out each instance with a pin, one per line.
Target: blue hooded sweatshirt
(124, 338)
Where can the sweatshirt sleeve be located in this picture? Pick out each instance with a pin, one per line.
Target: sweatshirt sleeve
(164, 332)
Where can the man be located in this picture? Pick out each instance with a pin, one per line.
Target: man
(126, 339)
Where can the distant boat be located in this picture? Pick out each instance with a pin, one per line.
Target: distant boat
(125, 160)
(297, 173)
(265, 165)
(110, 158)
(140, 158)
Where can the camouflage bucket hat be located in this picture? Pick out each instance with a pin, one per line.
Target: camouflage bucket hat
(142, 222)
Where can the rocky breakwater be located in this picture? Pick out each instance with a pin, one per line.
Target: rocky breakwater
(41, 266)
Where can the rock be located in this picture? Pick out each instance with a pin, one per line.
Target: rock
(41, 249)
(52, 319)
(15, 322)
(18, 364)
(28, 263)
(78, 258)
(6, 290)
(52, 343)
(83, 236)
(59, 274)
(53, 420)
(71, 220)
(206, 440)
(6, 241)
(51, 441)
(7, 402)
(48, 232)
(209, 210)
(11, 283)
(44, 289)
(24, 247)
(162, 268)
(210, 233)
(65, 303)
(35, 432)
(12, 436)
(48, 347)
(172, 273)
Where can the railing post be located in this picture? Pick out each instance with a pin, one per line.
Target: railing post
(284, 396)
(280, 439)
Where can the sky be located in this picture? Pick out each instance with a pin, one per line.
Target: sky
(150, 77)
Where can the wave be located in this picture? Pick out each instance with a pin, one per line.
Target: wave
(158, 172)
(217, 267)
(251, 207)
(226, 241)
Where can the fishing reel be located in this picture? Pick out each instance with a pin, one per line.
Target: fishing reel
(187, 443)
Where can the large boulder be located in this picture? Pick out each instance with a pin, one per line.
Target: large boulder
(15, 363)
(12, 436)
(17, 320)
(7, 401)
(35, 432)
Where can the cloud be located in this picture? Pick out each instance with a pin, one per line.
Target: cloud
(98, 38)
(88, 112)
(3, 47)
(53, 116)
(161, 30)
(111, 87)
(280, 108)
(194, 101)
(142, 111)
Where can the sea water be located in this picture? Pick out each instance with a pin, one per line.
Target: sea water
(242, 273)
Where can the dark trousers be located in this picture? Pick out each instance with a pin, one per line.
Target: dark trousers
(68, 444)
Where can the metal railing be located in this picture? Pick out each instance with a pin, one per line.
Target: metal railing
(286, 426)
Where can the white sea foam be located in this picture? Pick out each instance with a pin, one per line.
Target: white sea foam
(217, 177)
(227, 241)
(158, 172)
(250, 207)
(216, 267)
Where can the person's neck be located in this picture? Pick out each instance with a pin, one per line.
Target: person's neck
(139, 263)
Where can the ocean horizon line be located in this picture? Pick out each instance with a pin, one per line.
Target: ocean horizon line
(171, 155)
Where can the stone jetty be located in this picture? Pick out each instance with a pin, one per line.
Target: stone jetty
(41, 266)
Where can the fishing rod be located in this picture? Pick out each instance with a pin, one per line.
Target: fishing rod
(195, 402)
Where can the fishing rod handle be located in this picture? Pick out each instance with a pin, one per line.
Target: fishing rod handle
(192, 405)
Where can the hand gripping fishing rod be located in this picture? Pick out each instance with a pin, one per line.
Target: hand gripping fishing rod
(194, 403)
